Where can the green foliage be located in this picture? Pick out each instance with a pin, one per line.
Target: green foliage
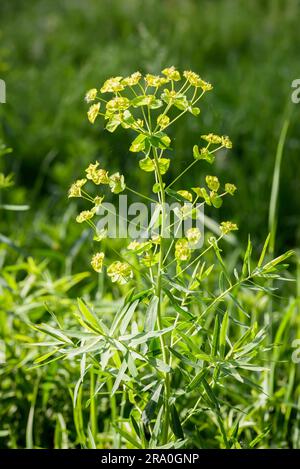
(182, 327)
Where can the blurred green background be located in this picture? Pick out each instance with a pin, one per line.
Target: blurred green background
(52, 52)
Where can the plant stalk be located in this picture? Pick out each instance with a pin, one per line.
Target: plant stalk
(164, 350)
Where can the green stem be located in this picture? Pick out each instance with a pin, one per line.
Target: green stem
(181, 174)
(164, 350)
(191, 165)
(93, 413)
(141, 195)
(114, 413)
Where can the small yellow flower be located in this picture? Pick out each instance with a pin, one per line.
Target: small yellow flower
(217, 140)
(6, 181)
(182, 250)
(227, 226)
(193, 235)
(156, 239)
(155, 80)
(93, 112)
(230, 188)
(101, 177)
(117, 104)
(171, 73)
(226, 142)
(97, 261)
(139, 247)
(75, 189)
(184, 212)
(206, 86)
(133, 245)
(212, 183)
(186, 195)
(85, 215)
(139, 123)
(117, 183)
(169, 96)
(91, 95)
(120, 272)
(212, 138)
(163, 121)
(98, 176)
(132, 80)
(194, 79)
(112, 85)
(98, 200)
(150, 259)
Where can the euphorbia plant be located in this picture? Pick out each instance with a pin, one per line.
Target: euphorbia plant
(170, 337)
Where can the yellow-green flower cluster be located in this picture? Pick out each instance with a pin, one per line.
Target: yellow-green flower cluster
(223, 140)
(227, 226)
(117, 183)
(93, 112)
(127, 109)
(117, 104)
(91, 95)
(230, 188)
(212, 183)
(112, 85)
(226, 142)
(194, 79)
(97, 261)
(193, 235)
(150, 259)
(98, 200)
(155, 80)
(75, 189)
(85, 215)
(98, 176)
(6, 181)
(117, 109)
(132, 80)
(120, 272)
(171, 73)
(163, 120)
(139, 247)
(186, 195)
(182, 250)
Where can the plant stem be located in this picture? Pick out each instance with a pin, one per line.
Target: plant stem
(140, 195)
(159, 310)
(93, 411)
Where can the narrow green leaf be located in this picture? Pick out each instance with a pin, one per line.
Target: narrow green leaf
(120, 376)
(88, 315)
(128, 316)
(216, 335)
(247, 258)
(128, 437)
(151, 314)
(223, 334)
(175, 423)
(197, 380)
(264, 250)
